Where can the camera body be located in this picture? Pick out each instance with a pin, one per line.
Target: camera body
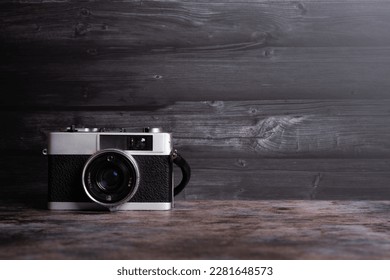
(92, 169)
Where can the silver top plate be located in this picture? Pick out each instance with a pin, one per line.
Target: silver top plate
(82, 143)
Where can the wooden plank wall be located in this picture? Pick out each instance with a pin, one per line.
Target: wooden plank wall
(266, 99)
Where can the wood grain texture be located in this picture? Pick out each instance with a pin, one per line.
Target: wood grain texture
(157, 80)
(282, 129)
(202, 230)
(267, 99)
(157, 52)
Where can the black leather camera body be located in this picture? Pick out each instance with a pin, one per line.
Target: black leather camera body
(98, 168)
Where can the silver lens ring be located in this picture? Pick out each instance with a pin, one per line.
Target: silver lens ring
(91, 187)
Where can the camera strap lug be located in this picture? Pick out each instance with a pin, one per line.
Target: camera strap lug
(174, 154)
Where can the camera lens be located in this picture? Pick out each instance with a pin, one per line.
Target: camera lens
(110, 177)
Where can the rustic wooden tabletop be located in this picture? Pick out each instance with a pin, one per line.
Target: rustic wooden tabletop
(274, 229)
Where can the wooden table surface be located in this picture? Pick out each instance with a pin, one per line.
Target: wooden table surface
(202, 230)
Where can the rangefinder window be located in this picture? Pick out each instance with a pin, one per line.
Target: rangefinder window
(127, 142)
(140, 143)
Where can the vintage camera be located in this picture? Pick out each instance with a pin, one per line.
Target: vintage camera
(108, 168)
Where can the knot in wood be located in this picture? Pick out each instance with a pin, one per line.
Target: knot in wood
(271, 133)
(85, 12)
(269, 127)
(216, 104)
(92, 51)
(157, 77)
(301, 7)
(241, 162)
(268, 53)
(253, 110)
(81, 29)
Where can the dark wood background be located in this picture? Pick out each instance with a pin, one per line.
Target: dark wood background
(266, 99)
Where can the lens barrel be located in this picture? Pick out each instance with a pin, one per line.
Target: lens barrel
(110, 177)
